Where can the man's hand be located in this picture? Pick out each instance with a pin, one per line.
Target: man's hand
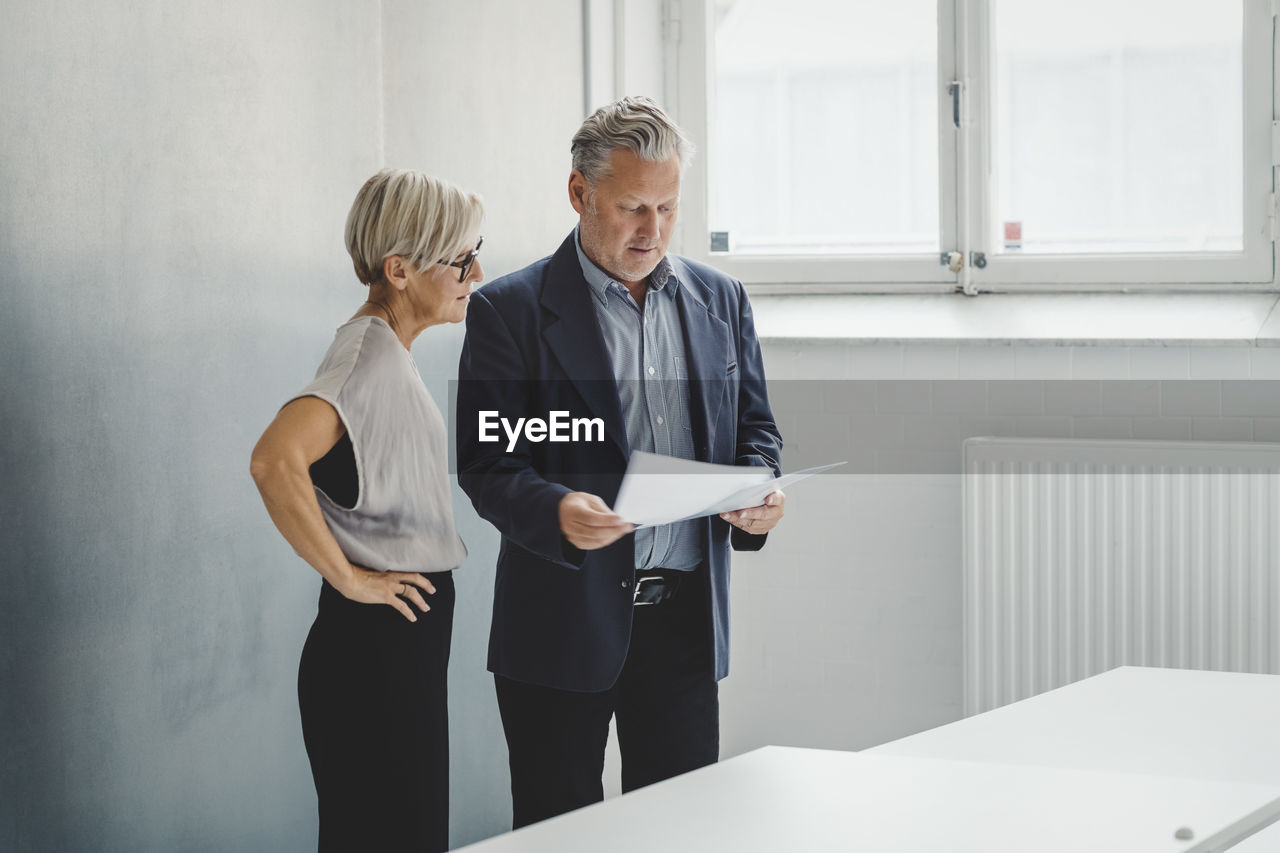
(588, 523)
(758, 519)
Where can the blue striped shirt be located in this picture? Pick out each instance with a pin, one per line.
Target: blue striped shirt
(650, 367)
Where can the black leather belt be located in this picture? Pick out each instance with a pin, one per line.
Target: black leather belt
(652, 589)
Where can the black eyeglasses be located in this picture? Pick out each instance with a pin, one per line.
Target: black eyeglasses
(464, 265)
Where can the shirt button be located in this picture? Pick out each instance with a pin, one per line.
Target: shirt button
(626, 584)
(651, 371)
(659, 420)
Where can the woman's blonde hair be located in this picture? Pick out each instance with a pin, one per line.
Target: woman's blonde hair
(411, 214)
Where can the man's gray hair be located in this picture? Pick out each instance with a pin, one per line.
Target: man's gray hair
(636, 124)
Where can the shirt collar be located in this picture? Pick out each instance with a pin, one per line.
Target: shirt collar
(600, 281)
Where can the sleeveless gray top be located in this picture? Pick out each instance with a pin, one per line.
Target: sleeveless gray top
(403, 516)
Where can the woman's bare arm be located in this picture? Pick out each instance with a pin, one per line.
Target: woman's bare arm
(304, 431)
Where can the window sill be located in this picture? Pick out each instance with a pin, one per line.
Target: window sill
(1064, 319)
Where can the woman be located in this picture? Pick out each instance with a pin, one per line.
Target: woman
(354, 473)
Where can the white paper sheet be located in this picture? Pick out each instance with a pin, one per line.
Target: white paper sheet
(662, 489)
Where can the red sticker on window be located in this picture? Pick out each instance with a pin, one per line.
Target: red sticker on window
(1013, 235)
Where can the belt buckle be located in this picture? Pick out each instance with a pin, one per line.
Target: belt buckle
(635, 595)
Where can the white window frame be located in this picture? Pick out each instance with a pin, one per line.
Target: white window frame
(964, 52)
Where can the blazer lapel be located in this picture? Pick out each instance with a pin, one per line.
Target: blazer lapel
(706, 342)
(574, 339)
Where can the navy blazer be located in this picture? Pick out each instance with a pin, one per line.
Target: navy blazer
(562, 616)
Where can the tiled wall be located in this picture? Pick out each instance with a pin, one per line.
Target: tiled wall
(847, 626)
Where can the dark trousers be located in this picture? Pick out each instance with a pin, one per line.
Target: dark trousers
(373, 694)
(666, 703)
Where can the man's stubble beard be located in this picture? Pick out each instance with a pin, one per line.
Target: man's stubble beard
(589, 231)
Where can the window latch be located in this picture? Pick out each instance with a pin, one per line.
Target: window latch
(954, 91)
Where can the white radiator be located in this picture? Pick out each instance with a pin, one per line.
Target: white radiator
(1080, 556)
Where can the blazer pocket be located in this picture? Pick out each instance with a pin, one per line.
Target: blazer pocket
(732, 368)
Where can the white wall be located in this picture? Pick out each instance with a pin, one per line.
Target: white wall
(847, 626)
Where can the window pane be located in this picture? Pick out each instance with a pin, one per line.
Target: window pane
(1118, 126)
(825, 126)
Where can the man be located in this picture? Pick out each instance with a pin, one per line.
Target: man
(590, 618)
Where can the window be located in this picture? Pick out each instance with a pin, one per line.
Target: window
(1087, 142)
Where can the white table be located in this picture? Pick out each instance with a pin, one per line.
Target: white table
(814, 801)
(1168, 722)
(1116, 763)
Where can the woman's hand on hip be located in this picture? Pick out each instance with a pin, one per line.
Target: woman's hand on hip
(398, 589)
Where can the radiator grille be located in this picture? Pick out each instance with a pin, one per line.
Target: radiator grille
(1081, 556)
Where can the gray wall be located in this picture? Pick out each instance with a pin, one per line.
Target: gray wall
(173, 182)
(488, 94)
